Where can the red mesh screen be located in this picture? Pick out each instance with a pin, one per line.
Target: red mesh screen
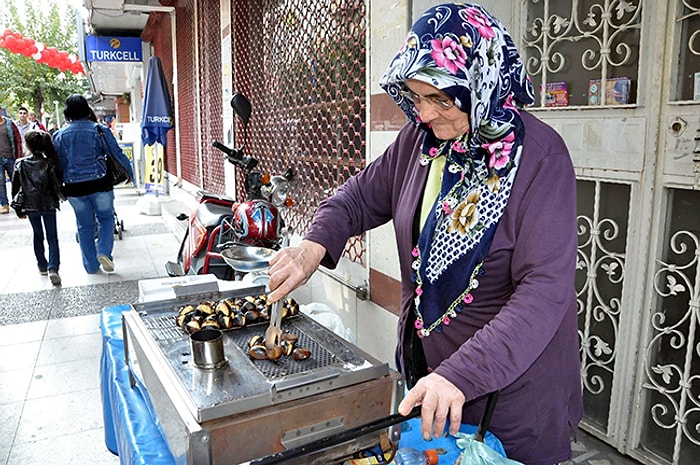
(187, 97)
(302, 65)
(209, 101)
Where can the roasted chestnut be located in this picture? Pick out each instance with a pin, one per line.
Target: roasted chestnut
(301, 353)
(258, 352)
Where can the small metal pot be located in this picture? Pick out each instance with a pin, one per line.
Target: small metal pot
(208, 349)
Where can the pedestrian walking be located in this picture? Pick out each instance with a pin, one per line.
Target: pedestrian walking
(82, 147)
(31, 116)
(36, 193)
(24, 123)
(10, 150)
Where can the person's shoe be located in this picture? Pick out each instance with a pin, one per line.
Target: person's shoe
(106, 262)
(5, 209)
(54, 277)
(43, 272)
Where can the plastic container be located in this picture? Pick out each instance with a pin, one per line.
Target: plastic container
(410, 456)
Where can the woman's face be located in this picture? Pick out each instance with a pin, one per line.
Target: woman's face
(446, 123)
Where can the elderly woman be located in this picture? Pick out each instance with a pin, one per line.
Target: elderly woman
(482, 197)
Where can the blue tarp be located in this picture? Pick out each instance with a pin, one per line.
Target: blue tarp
(132, 430)
(157, 115)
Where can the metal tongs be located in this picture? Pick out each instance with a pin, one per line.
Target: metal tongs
(273, 333)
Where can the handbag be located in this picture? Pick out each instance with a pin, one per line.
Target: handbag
(116, 172)
(18, 202)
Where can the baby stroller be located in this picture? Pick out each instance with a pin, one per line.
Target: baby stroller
(118, 225)
(118, 228)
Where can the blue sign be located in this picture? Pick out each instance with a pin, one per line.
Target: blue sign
(105, 48)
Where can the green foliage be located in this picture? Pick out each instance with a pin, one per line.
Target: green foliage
(24, 81)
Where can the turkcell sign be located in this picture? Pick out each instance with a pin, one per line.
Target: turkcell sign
(105, 48)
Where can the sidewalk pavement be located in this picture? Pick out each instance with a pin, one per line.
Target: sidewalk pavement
(50, 340)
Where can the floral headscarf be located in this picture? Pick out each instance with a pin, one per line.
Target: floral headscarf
(466, 53)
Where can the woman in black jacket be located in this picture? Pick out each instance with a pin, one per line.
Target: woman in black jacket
(36, 191)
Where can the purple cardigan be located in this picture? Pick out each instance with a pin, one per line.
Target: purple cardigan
(519, 335)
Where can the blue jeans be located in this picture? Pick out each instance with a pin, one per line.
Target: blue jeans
(48, 218)
(97, 208)
(7, 165)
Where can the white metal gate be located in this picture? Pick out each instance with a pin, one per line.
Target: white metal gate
(620, 80)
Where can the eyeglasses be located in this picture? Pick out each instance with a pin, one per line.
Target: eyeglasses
(441, 103)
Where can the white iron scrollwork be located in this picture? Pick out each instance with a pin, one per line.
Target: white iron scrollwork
(598, 298)
(673, 352)
(693, 10)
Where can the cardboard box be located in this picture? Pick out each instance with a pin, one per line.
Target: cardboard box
(556, 95)
(618, 91)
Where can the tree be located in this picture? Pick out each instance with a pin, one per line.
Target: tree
(24, 81)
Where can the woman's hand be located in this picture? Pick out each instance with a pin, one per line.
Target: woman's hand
(438, 398)
(293, 266)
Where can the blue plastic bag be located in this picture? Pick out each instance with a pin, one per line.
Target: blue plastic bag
(478, 453)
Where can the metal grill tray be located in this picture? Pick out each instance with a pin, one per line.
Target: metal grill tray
(245, 384)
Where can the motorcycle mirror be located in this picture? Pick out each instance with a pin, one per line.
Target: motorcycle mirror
(241, 107)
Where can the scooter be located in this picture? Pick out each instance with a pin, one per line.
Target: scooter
(220, 222)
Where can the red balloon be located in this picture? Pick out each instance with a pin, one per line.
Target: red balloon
(10, 43)
(51, 56)
(24, 48)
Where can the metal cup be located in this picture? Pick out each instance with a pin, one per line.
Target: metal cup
(208, 348)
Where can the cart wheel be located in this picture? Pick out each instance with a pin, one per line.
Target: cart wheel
(76, 237)
(121, 223)
(120, 233)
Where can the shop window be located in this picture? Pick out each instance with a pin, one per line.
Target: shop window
(688, 85)
(574, 49)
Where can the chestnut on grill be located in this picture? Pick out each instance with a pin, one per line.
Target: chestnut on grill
(186, 309)
(287, 347)
(292, 306)
(210, 323)
(223, 308)
(258, 352)
(248, 306)
(193, 325)
(301, 353)
(228, 313)
(205, 308)
(291, 337)
(274, 353)
(225, 321)
(238, 320)
(252, 316)
(256, 340)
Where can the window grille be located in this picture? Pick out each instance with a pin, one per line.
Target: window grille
(302, 65)
(573, 46)
(600, 272)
